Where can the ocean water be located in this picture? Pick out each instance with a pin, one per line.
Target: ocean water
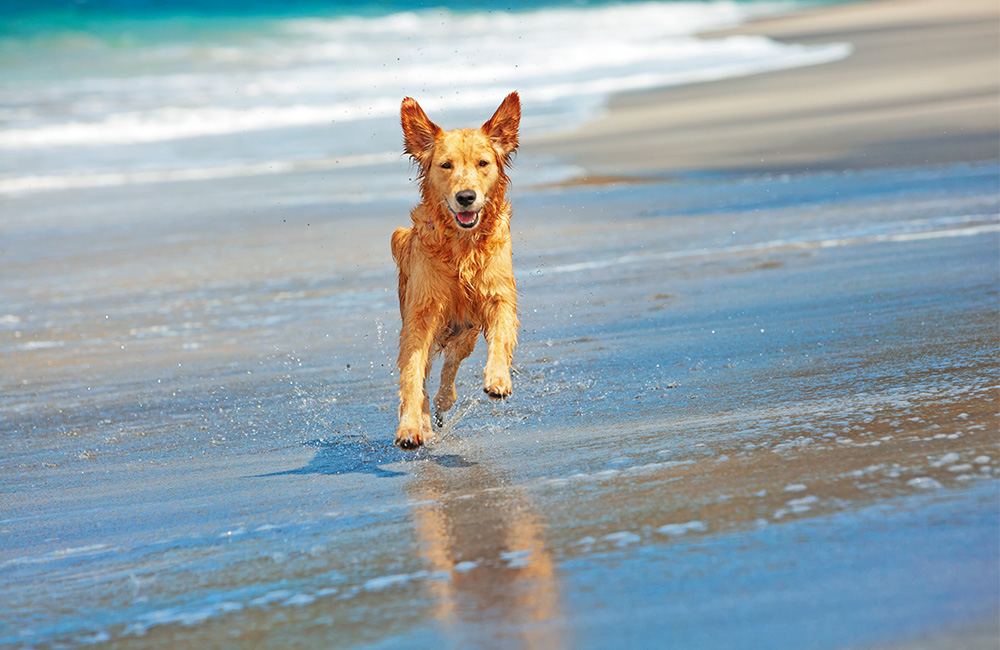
(109, 93)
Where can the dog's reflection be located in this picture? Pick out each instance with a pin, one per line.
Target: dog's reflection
(501, 587)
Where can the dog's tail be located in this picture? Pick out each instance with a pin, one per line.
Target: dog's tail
(401, 246)
(401, 255)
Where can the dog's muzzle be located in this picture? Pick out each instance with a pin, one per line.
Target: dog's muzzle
(465, 218)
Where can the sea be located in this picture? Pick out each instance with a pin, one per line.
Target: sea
(112, 93)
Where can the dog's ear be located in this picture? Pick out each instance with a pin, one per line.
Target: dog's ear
(419, 132)
(502, 127)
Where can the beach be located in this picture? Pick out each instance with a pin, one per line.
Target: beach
(919, 88)
(755, 394)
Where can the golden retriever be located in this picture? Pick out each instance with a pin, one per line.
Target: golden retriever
(456, 276)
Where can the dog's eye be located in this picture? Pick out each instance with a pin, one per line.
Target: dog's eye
(483, 163)
(446, 165)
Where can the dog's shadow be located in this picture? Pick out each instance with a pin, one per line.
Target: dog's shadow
(360, 456)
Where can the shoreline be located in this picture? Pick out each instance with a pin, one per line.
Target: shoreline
(920, 88)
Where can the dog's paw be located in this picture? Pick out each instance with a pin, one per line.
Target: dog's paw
(410, 438)
(498, 385)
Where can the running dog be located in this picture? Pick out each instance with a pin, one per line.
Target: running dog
(456, 276)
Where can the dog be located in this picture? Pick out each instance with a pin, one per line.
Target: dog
(456, 275)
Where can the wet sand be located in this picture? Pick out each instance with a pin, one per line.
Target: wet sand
(750, 410)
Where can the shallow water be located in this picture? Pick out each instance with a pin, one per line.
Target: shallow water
(748, 412)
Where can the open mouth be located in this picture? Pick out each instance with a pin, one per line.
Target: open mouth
(467, 219)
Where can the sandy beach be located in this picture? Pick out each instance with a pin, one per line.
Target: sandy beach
(920, 88)
(755, 399)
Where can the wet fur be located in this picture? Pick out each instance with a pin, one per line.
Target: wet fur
(455, 282)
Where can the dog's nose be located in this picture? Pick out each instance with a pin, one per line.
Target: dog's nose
(465, 198)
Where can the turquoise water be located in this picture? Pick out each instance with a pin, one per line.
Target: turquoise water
(111, 93)
(41, 10)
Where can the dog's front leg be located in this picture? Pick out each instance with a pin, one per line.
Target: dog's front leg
(501, 335)
(415, 340)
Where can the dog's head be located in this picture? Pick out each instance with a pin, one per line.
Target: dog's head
(464, 169)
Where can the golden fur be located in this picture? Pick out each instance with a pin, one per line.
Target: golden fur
(456, 277)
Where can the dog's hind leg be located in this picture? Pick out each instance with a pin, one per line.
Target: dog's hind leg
(457, 351)
(425, 422)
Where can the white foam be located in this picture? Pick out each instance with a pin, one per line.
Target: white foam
(682, 529)
(178, 122)
(62, 554)
(804, 503)
(190, 617)
(40, 345)
(946, 459)
(97, 637)
(622, 539)
(386, 582)
(924, 483)
(797, 506)
(299, 600)
(270, 597)
(15, 185)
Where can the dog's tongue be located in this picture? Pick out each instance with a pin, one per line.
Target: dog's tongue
(466, 218)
